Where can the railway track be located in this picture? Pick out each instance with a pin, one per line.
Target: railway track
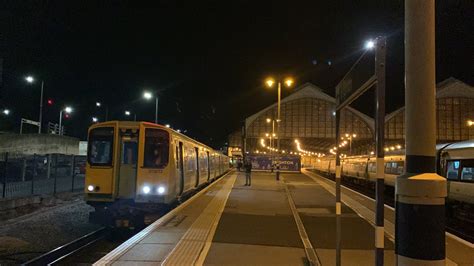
(61, 253)
(453, 225)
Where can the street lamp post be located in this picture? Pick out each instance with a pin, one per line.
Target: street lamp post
(99, 105)
(270, 83)
(30, 79)
(128, 113)
(67, 110)
(148, 95)
(350, 137)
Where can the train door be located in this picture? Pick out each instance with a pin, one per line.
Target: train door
(197, 166)
(180, 162)
(128, 163)
(208, 166)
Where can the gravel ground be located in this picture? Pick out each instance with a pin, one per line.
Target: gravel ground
(26, 237)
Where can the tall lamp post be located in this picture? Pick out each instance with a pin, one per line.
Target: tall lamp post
(128, 113)
(350, 137)
(148, 96)
(30, 80)
(99, 105)
(270, 82)
(67, 110)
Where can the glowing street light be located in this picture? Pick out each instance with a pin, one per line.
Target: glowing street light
(95, 119)
(470, 123)
(369, 45)
(66, 110)
(31, 80)
(288, 82)
(167, 125)
(6, 111)
(98, 104)
(148, 96)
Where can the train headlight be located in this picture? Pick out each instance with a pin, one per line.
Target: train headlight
(90, 188)
(161, 190)
(146, 189)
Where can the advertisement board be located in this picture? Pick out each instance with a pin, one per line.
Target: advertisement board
(264, 162)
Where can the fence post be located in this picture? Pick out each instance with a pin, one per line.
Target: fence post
(73, 172)
(55, 171)
(34, 175)
(23, 170)
(48, 170)
(4, 192)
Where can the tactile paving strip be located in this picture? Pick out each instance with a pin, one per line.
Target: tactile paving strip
(189, 248)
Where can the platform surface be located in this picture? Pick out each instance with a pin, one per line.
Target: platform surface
(233, 224)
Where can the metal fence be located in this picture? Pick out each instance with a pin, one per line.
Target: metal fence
(25, 175)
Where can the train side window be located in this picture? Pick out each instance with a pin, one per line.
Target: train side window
(467, 174)
(176, 156)
(453, 170)
(399, 168)
(372, 167)
(388, 168)
(156, 148)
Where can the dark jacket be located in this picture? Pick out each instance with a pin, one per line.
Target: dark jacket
(248, 167)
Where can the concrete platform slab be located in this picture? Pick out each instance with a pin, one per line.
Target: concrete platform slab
(148, 252)
(353, 257)
(257, 230)
(237, 254)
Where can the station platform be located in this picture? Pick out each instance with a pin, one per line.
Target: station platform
(286, 222)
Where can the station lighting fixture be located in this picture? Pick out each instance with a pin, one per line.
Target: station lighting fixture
(98, 104)
(167, 125)
(127, 112)
(146, 189)
(470, 123)
(6, 111)
(95, 119)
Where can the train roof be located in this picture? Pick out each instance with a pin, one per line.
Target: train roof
(467, 144)
(137, 124)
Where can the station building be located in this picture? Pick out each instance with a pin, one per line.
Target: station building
(308, 115)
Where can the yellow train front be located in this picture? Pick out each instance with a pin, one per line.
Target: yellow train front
(138, 168)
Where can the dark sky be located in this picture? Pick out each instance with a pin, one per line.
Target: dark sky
(208, 58)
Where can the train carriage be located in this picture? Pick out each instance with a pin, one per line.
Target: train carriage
(455, 161)
(135, 168)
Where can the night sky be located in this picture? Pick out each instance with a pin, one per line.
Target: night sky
(208, 59)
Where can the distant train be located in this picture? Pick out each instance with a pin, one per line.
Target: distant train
(455, 161)
(136, 168)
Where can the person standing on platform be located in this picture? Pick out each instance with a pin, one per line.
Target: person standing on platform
(277, 171)
(248, 173)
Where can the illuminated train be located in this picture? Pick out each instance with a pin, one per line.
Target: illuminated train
(137, 168)
(454, 161)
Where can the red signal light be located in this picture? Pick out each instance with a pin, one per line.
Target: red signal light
(50, 101)
(67, 116)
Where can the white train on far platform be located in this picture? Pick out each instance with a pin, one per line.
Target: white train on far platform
(454, 161)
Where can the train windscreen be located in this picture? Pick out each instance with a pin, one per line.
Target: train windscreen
(100, 150)
(156, 148)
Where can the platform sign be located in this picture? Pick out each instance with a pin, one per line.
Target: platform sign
(358, 80)
(264, 162)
